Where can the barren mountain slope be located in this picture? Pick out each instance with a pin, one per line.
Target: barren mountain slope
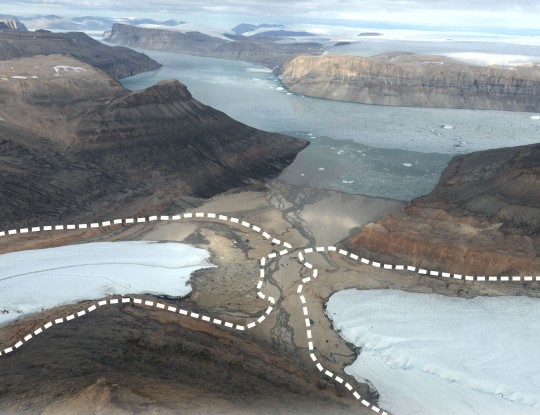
(79, 145)
(482, 218)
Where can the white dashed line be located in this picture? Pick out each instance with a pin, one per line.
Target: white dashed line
(260, 283)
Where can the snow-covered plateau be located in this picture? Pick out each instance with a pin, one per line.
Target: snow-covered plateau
(438, 355)
(31, 281)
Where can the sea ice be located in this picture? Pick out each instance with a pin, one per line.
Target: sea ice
(535, 117)
(438, 355)
(40, 279)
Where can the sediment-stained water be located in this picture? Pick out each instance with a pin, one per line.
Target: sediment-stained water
(393, 152)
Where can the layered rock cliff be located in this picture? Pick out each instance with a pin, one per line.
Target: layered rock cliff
(413, 80)
(483, 218)
(262, 51)
(76, 145)
(10, 23)
(118, 62)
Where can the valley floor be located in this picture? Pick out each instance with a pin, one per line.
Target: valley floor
(120, 358)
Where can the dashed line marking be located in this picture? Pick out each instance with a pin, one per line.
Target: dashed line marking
(263, 263)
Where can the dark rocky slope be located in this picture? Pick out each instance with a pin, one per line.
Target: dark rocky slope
(10, 23)
(127, 360)
(414, 80)
(483, 218)
(77, 146)
(118, 62)
(262, 51)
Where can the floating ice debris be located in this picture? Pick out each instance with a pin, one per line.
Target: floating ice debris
(447, 127)
(347, 181)
(321, 168)
(340, 152)
(19, 77)
(535, 117)
(302, 174)
(289, 93)
(279, 88)
(34, 77)
(407, 164)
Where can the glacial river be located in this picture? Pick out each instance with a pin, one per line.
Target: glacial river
(392, 152)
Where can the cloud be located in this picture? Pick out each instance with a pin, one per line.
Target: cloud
(517, 14)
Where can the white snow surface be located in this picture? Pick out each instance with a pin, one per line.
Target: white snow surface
(67, 68)
(438, 355)
(492, 58)
(45, 278)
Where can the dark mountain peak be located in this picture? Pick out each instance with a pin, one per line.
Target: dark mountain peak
(119, 62)
(11, 23)
(164, 92)
(247, 27)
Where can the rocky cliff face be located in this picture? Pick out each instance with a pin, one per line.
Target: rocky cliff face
(263, 51)
(412, 80)
(118, 62)
(76, 145)
(483, 218)
(9, 23)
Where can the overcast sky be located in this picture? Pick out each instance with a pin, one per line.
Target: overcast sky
(460, 14)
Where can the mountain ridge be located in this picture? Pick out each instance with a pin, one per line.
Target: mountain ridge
(404, 79)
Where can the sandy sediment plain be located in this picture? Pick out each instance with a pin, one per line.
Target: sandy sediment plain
(128, 359)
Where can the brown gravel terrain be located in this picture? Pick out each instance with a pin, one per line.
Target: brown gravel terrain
(130, 359)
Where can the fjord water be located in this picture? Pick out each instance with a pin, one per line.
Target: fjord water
(392, 152)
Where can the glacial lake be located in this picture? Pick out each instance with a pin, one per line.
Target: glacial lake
(392, 152)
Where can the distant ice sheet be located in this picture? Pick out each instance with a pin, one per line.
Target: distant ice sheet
(259, 70)
(40, 279)
(437, 355)
(493, 58)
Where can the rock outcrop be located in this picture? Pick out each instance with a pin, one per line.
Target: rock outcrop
(483, 218)
(10, 23)
(118, 62)
(261, 51)
(75, 146)
(413, 80)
